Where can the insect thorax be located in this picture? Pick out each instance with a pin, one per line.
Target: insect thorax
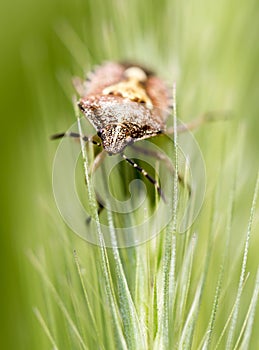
(119, 121)
(123, 112)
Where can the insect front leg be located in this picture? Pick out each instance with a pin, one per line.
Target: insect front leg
(160, 156)
(144, 173)
(75, 135)
(97, 162)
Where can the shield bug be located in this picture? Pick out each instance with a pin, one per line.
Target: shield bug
(125, 103)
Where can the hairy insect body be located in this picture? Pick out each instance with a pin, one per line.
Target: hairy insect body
(125, 104)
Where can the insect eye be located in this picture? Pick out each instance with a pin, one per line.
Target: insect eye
(99, 132)
(80, 106)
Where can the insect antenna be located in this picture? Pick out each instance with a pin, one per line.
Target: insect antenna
(144, 173)
(75, 136)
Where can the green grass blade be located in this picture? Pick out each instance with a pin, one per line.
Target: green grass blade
(209, 332)
(45, 328)
(132, 329)
(36, 263)
(232, 329)
(247, 326)
(226, 326)
(73, 43)
(187, 332)
(118, 332)
(163, 337)
(87, 301)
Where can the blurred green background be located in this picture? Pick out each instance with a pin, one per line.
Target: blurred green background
(210, 48)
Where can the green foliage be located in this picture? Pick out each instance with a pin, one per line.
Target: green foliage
(196, 290)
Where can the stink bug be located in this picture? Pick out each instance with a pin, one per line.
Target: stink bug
(125, 103)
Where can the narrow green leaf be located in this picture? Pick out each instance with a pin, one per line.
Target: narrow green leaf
(232, 329)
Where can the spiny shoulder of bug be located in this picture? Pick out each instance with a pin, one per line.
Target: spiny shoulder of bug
(125, 103)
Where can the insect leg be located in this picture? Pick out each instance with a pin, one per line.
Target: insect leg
(75, 136)
(96, 163)
(166, 160)
(144, 173)
(203, 119)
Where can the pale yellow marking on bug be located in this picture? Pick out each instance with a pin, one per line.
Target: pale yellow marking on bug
(131, 88)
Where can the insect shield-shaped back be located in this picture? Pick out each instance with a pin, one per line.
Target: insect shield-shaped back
(126, 107)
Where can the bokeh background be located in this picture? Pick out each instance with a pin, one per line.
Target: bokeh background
(211, 49)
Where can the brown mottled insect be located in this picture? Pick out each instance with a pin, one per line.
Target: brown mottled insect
(125, 103)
